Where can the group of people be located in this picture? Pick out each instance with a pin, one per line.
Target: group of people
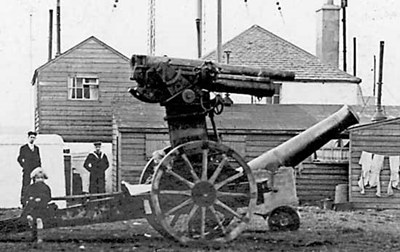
(36, 194)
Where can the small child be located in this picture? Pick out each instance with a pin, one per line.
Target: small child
(37, 197)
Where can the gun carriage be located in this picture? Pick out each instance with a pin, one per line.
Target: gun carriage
(200, 190)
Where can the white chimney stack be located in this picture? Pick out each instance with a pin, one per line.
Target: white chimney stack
(328, 33)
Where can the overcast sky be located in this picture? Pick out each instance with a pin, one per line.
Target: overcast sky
(24, 29)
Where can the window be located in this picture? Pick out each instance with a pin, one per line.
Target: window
(83, 88)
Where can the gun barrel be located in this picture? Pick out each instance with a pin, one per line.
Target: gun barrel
(190, 64)
(214, 76)
(298, 148)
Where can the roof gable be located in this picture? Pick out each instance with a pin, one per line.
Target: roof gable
(259, 47)
(71, 50)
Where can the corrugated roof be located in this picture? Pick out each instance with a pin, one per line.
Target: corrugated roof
(256, 117)
(261, 48)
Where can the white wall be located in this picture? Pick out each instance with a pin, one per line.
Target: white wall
(311, 93)
(79, 151)
(51, 152)
(319, 93)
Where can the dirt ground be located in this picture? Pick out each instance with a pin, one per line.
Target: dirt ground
(320, 230)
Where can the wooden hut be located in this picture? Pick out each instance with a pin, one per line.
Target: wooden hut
(374, 166)
(74, 92)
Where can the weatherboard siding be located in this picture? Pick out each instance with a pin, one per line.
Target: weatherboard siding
(81, 120)
(380, 138)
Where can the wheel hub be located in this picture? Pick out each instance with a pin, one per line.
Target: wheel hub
(204, 194)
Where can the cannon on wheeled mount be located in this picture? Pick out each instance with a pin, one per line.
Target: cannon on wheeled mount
(200, 191)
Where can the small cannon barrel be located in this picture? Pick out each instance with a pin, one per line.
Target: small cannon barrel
(298, 148)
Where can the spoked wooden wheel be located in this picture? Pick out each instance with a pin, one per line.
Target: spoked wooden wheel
(203, 192)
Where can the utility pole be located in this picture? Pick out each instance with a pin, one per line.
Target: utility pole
(354, 56)
(344, 5)
(152, 28)
(199, 27)
(379, 112)
(219, 31)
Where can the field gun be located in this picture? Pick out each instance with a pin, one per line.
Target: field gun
(202, 190)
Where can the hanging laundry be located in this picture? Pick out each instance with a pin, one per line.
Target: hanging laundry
(394, 162)
(366, 163)
(376, 167)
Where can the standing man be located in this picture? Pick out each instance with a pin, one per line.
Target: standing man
(29, 159)
(97, 163)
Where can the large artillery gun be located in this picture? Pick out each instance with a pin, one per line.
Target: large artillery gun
(202, 190)
(199, 190)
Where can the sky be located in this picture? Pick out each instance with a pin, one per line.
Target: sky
(24, 31)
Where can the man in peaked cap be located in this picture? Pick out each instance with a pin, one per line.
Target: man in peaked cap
(96, 163)
(29, 159)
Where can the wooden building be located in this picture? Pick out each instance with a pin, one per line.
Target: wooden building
(74, 92)
(374, 148)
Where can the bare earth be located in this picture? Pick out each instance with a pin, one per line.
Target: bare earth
(320, 230)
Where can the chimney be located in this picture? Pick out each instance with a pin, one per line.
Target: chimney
(328, 33)
(58, 29)
(50, 34)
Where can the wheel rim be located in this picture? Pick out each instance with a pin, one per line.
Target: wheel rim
(203, 192)
(284, 218)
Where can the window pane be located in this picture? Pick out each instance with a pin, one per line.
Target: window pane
(86, 91)
(91, 80)
(79, 82)
(72, 93)
(94, 92)
(79, 93)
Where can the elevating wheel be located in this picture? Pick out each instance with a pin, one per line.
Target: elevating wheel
(203, 192)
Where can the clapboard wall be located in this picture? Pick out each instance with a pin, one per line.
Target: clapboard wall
(80, 120)
(136, 145)
(381, 138)
(316, 181)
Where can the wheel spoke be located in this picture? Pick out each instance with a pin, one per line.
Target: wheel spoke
(180, 178)
(189, 164)
(178, 207)
(175, 219)
(218, 170)
(190, 216)
(177, 192)
(223, 205)
(203, 222)
(218, 219)
(231, 178)
(205, 165)
(232, 194)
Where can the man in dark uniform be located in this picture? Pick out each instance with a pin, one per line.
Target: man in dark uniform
(96, 163)
(29, 159)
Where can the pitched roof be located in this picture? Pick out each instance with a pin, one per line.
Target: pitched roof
(257, 117)
(91, 38)
(259, 47)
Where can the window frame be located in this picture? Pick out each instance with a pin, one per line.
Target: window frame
(85, 89)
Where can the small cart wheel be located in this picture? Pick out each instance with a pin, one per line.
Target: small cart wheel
(284, 218)
(203, 192)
